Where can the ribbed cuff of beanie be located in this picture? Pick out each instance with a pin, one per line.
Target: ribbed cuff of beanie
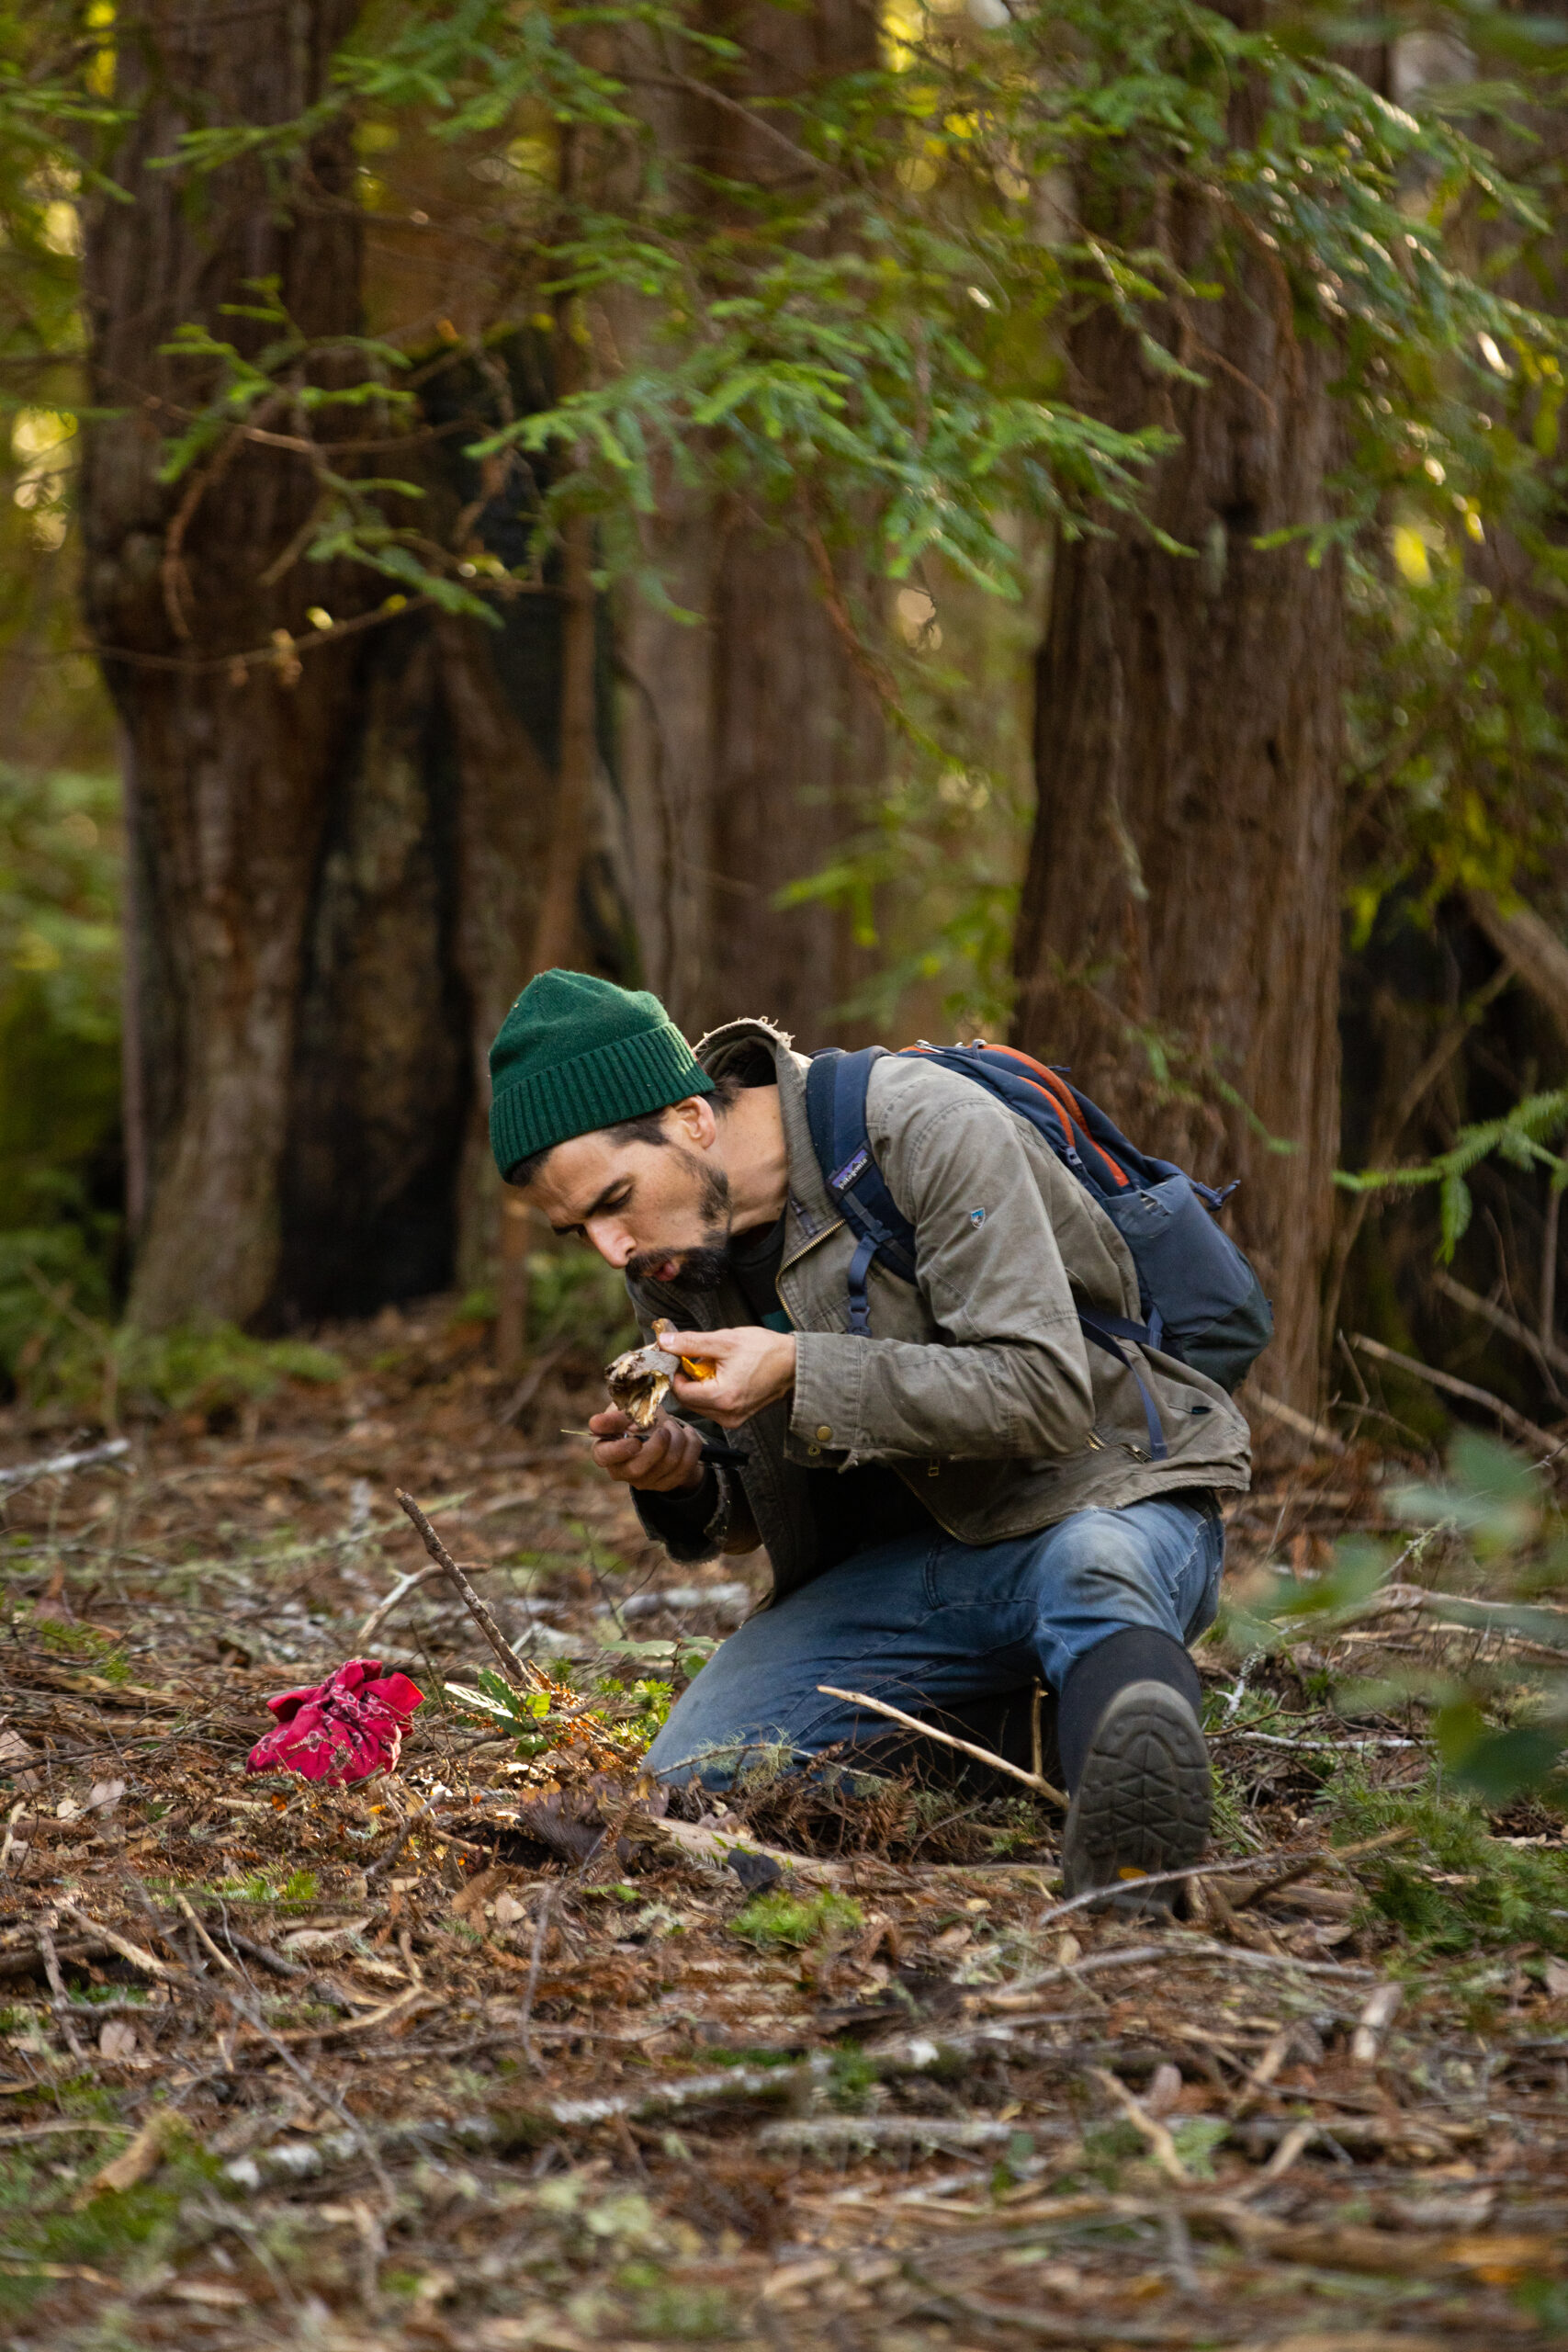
(625, 1078)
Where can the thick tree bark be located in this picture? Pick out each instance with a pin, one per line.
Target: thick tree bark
(334, 852)
(1183, 879)
(749, 740)
(232, 758)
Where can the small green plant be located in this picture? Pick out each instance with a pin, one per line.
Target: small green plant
(641, 1710)
(495, 1700)
(792, 1921)
(1195, 2139)
(84, 1641)
(851, 2079)
(688, 2315)
(1108, 2147)
(1499, 1729)
(1449, 1886)
(119, 2231)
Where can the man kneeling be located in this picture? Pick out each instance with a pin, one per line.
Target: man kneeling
(957, 1504)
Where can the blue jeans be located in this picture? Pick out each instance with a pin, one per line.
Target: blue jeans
(928, 1621)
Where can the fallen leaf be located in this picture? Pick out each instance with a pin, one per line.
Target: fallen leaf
(508, 1910)
(214, 2292)
(117, 2040)
(141, 2160)
(16, 1755)
(1557, 1978)
(104, 1795)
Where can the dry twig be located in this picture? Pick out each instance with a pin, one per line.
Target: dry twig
(520, 1677)
(966, 1747)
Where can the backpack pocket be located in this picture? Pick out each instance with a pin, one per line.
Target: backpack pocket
(1214, 1314)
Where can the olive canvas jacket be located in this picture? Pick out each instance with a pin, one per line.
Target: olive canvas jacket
(977, 1384)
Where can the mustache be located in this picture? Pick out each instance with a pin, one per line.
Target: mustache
(702, 1268)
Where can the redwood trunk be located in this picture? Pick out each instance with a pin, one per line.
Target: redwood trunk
(751, 741)
(1183, 876)
(232, 760)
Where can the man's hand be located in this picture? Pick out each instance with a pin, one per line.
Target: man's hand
(755, 1367)
(667, 1461)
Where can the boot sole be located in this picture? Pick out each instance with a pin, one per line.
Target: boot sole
(1146, 1799)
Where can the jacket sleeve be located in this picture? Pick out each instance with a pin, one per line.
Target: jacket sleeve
(714, 1518)
(1012, 1378)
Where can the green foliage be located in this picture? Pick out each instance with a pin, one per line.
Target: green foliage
(851, 2079)
(1195, 2138)
(125, 2233)
(684, 2314)
(1516, 1136)
(59, 985)
(796, 1920)
(1500, 1728)
(640, 1708)
(1452, 1887)
(107, 1657)
(637, 1711)
(63, 1356)
(499, 1703)
(59, 1054)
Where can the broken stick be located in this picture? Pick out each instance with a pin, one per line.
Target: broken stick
(1034, 1781)
(521, 1678)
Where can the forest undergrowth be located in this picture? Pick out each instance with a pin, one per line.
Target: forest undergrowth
(499, 2052)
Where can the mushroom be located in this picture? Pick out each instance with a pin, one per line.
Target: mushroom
(639, 1381)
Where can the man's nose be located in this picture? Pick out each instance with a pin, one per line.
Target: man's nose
(612, 1240)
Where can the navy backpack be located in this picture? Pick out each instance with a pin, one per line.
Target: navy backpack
(1200, 1300)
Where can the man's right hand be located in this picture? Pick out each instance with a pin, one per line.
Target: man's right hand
(667, 1461)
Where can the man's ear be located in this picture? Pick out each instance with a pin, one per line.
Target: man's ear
(696, 1121)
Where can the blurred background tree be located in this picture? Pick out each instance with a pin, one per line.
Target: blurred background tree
(622, 488)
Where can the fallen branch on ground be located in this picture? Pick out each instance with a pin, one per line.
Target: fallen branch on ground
(59, 1465)
(400, 1592)
(1316, 1433)
(966, 1747)
(1529, 1432)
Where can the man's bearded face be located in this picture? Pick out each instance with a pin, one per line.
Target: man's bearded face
(701, 1265)
(659, 1212)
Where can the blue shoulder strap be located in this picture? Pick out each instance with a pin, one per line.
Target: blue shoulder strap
(836, 1088)
(835, 1107)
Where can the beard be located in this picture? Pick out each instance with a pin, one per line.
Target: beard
(703, 1266)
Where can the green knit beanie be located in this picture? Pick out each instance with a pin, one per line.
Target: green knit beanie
(576, 1053)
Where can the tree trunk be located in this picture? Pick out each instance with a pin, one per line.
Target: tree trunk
(234, 752)
(749, 740)
(1183, 879)
(334, 844)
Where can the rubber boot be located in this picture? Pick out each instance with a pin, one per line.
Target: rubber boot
(1136, 1767)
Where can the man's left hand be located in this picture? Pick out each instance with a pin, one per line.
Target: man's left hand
(755, 1367)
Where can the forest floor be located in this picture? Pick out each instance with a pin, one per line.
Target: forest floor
(489, 2057)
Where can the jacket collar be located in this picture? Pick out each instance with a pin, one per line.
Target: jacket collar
(810, 1211)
